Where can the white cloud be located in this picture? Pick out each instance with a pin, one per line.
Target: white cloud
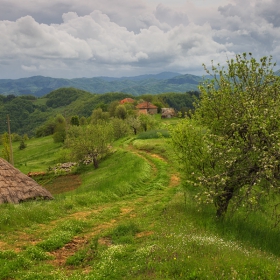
(31, 68)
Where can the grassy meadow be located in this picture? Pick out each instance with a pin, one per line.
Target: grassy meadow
(128, 219)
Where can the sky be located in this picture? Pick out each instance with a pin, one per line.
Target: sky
(116, 38)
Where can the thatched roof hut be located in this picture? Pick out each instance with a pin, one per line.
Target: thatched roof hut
(16, 187)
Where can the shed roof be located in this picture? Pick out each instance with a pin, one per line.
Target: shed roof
(16, 187)
(167, 111)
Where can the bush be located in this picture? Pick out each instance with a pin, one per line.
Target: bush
(22, 145)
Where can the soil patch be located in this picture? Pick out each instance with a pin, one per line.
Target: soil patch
(69, 249)
(78, 242)
(63, 184)
(144, 233)
(158, 157)
(105, 241)
(174, 181)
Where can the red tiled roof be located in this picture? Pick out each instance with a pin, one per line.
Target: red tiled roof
(127, 100)
(146, 105)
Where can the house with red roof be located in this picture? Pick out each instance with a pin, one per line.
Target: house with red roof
(146, 108)
(127, 100)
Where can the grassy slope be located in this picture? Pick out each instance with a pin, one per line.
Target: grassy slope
(37, 156)
(128, 220)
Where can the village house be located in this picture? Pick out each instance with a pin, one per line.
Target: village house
(147, 108)
(127, 100)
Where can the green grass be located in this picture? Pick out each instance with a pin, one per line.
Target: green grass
(129, 220)
(124, 233)
(153, 134)
(40, 101)
(39, 155)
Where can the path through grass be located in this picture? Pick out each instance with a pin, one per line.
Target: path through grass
(127, 220)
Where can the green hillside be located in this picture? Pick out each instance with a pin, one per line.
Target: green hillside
(27, 113)
(192, 193)
(128, 219)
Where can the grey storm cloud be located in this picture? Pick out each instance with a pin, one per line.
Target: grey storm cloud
(91, 38)
(248, 29)
(171, 17)
(270, 10)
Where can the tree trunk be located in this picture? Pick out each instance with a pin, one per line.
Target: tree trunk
(223, 202)
(95, 162)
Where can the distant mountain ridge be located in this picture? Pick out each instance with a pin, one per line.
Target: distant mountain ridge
(137, 85)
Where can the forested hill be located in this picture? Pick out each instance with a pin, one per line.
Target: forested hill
(152, 84)
(28, 112)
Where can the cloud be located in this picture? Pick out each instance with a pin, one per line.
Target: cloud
(248, 28)
(26, 37)
(170, 16)
(97, 40)
(31, 68)
(270, 11)
(122, 12)
(91, 38)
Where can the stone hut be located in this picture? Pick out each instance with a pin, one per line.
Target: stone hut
(167, 113)
(16, 187)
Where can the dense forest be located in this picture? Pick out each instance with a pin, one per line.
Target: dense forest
(28, 112)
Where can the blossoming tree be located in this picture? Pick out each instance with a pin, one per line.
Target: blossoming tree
(230, 147)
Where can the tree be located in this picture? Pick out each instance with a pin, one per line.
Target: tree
(112, 108)
(230, 146)
(75, 120)
(91, 141)
(83, 120)
(47, 128)
(98, 115)
(25, 137)
(148, 97)
(22, 144)
(121, 112)
(147, 121)
(120, 128)
(130, 109)
(59, 129)
(134, 123)
(6, 152)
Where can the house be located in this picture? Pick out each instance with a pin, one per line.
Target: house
(16, 187)
(146, 108)
(127, 100)
(167, 113)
